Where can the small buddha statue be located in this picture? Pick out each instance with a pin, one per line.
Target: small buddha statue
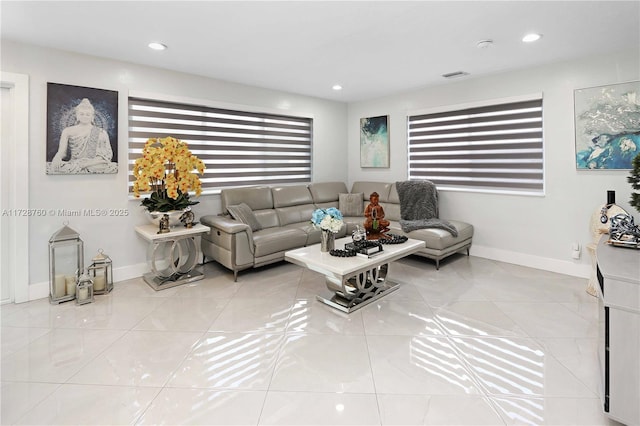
(375, 224)
(164, 224)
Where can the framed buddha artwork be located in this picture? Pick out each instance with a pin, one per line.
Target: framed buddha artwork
(82, 130)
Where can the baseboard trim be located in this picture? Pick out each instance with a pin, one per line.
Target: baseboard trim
(41, 290)
(580, 270)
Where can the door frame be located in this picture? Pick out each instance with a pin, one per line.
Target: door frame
(18, 174)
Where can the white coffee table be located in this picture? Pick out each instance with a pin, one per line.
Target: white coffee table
(356, 281)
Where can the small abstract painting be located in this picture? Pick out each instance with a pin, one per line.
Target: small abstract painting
(82, 130)
(374, 141)
(607, 120)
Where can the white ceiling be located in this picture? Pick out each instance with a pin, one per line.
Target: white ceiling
(371, 48)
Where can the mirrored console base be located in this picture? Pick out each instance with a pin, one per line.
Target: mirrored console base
(159, 283)
(343, 304)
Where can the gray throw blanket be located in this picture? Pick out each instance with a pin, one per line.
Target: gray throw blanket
(419, 207)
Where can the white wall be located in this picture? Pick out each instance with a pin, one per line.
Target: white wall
(533, 231)
(116, 235)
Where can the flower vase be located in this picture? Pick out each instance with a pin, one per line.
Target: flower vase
(327, 241)
(174, 217)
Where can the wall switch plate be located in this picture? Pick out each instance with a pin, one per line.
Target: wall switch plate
(575, 250)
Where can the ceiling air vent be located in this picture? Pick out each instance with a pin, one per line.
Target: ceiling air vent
(455, 74)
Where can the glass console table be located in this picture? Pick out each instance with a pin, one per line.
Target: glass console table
(171, 256)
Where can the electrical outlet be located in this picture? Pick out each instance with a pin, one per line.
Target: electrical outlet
(575, 250)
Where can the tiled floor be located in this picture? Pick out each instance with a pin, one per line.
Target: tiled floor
(477, 342)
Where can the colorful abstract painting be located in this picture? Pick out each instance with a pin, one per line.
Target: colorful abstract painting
(374, 141)
(607, 120)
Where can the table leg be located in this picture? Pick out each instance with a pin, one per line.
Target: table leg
(172, 263)
(354, 292)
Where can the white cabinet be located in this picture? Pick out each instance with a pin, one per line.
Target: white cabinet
(619, 335)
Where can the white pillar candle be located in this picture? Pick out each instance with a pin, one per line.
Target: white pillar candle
(83, 294)
(70, 282)
(98, 283)
(58, 286)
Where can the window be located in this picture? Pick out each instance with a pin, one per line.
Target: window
(238, 147)
(494, 147)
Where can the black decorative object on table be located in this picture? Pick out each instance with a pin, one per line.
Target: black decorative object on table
(394, 239)
(624, 232)
(611, 200)
(368, 248)
(343, 253)
(362, 247)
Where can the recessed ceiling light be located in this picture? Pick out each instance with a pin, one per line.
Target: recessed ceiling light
(336, 87)
(157, 46)
(455, 74)
(529, 38)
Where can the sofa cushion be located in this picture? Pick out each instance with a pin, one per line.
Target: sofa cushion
(351, 204)
(244, 214)
(391, 211)
(268, 218)
(287, 196)
(295, 214)
(256, 197)
(394, 197)
(326, 192)
(275, 240)
(367, 188)
(440, 239)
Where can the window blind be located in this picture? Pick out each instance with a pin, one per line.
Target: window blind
(239, 148)
(493, 147)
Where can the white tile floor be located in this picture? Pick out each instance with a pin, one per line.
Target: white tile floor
(477, 342)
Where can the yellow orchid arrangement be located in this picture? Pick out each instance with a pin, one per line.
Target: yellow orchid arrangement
(168, 169)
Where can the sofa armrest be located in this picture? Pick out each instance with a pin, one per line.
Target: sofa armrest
(231, 237)
(225, 224)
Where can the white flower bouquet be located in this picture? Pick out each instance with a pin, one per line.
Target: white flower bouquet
(327, 219)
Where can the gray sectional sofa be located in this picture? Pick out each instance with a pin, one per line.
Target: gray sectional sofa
(277, 219)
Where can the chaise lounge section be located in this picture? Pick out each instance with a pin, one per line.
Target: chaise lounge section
(259, 224)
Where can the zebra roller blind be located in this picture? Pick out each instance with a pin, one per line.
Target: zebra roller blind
(496, 147)
(239, 148)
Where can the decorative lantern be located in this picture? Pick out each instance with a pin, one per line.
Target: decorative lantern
(101, 273)
(84, 289)
(66, 258)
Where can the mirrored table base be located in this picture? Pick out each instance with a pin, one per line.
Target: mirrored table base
(161, 283)
(359, 290)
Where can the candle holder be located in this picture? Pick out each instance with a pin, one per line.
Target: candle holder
(66, 258)
(101, 273)
(84, 289)
(71, 281)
